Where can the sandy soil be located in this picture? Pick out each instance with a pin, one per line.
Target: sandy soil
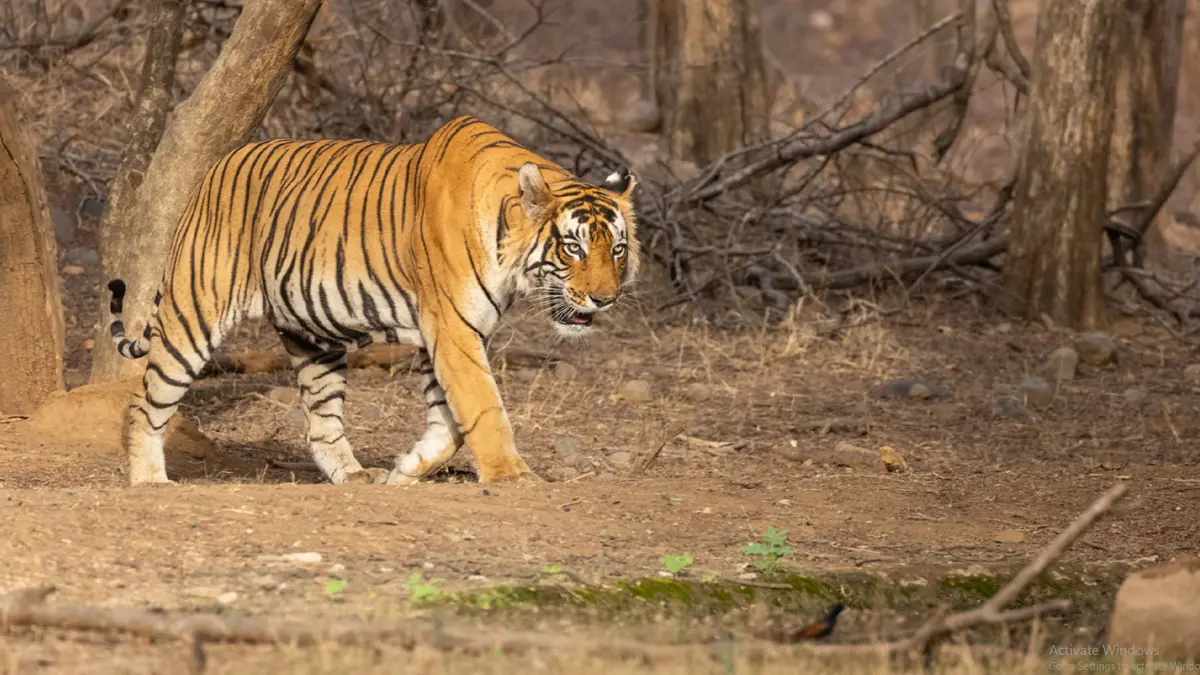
(778, 395)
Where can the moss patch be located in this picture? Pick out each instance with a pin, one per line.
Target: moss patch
(904, 591)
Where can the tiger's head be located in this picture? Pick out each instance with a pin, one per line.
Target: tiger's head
(587, 251)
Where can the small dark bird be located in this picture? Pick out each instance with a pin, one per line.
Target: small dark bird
(821, 628)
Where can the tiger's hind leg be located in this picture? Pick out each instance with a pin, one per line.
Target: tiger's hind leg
(442, 436)
(321, 374)
(171, 368)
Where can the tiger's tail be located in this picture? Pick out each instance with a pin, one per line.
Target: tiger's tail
(130, 349)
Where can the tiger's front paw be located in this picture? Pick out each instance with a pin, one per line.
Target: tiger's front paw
(368, 476)
(516, 472)
(526, 479)
(150, 478)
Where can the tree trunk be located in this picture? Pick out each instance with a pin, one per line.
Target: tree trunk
(31, 330)
(1053, 262)
(1148, 58)
(227, 106)
(711, 83)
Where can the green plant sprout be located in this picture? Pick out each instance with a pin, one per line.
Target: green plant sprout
(767, 553)
(676, 563)
(422, 590)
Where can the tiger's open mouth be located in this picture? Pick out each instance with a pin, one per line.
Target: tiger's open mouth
(569, 317)
(564, 313)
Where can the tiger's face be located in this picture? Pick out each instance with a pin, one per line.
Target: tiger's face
(589, 250)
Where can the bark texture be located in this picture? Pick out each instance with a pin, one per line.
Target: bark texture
(227, 106)
(31, 330)
(711, 83)
(1147, 63)
(1053, 262)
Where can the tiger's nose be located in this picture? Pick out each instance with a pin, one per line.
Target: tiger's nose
(602, 301)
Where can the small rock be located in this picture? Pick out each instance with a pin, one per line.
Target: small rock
(1012, 408)
(1157, 606)
(1135, 398)
(1062, 364)
(925, 389)
(1192, 373)
(1095, 348)
(788, 452)
(73, 270)
(284, 395)
(636, 391)
(526, 374)
(697, 392)
(1003, 328)
(565, 371)
(621, 459)
(306, 557)
(567, 446)
(1036, 391)
(227, 598)
(1009, 537)
(919, 392)
(893, 461)
(89, 344)
(895, 389)
(821, 20)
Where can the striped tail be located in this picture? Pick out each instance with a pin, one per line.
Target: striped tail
(130, 349)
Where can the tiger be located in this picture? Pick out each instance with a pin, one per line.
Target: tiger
(341, 243)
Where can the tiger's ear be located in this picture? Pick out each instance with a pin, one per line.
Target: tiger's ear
(535, 194)
(621, 182)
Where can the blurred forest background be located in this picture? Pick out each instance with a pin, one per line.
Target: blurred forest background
(787, 147)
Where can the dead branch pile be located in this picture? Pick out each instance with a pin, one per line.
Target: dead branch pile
(27, 607)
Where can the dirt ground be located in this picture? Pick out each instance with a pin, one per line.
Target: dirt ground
(765, 397)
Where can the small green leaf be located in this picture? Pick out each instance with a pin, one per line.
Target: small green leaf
(333, 587)
(676, 563)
